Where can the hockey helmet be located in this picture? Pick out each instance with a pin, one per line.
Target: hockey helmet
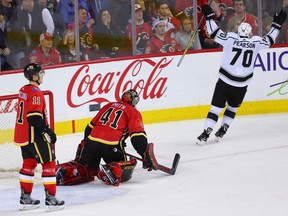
(245, 29)
(130, 97)
(31, 69)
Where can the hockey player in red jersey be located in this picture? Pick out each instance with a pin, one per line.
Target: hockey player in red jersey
(37, 140)
(106, 131)
(236, 70)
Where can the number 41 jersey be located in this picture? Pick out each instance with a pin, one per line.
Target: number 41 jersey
(115, 122)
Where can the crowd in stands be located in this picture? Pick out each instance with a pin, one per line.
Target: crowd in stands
(43, 31)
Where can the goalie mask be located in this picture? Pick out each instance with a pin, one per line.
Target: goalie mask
(245, 30)
(130, 97)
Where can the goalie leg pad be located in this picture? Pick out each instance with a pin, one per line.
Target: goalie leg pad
(72, 173)
(127, 168)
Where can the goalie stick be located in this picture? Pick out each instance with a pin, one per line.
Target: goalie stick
(165, 169)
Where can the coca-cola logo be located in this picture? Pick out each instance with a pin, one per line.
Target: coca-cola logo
(8, 106)
(146, 76)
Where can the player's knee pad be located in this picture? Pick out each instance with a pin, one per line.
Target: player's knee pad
(29, 165)
(72, 173)
(49, 168)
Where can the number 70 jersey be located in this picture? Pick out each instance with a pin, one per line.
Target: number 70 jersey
(238, 57)
(239, 54)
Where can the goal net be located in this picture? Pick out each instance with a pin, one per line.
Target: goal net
(11, 159)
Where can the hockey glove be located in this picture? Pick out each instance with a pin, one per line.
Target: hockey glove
(279, 19)
(189, 12)
(149, 160)
(49, 135)
(208, 12)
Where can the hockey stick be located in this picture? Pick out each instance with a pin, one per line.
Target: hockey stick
(192, 38)
(165, 169)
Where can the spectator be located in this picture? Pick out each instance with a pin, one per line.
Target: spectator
(67, 47)
(44, 54)
(172, 24)
(122, 10)
(8, 9)
(143, 30)
(160, 42)
(60, 27)
(37, 19)
(233, 24)
(183, 36)
(66, 8)
(146, 15)
(4, 50)
(240, 11)
(110, 37)
(86, 35)
(95, 7)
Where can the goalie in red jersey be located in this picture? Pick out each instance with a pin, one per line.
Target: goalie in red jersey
(106, 131)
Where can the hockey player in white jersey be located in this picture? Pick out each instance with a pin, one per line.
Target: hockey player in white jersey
(236, 70)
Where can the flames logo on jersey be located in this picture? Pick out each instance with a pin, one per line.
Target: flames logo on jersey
(142, 39)
(86, 40)
(167, 48)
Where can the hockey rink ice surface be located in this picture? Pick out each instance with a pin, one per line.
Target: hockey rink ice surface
(245, 174)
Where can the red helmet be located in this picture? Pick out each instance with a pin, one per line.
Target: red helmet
(130, 97)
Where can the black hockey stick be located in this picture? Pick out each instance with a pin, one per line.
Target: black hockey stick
(165, 169)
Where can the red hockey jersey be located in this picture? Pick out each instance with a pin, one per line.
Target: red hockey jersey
(155, 45)
(31, 102)
(114, 122)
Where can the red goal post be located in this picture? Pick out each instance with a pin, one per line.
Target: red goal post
(10, 159)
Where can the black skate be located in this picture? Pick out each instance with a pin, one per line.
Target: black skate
(28, 203)
(221, 132)
(53, 204)
(204, 136)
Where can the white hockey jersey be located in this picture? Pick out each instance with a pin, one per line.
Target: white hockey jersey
(239, 54)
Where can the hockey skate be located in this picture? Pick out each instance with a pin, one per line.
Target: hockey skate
(221, 132)
(27, 202)
(202, 139)
(109, 177)
(53, 204)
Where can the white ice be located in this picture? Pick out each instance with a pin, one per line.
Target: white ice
(245, 174)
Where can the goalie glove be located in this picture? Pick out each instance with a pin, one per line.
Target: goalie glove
(149, 160)
(48, 135)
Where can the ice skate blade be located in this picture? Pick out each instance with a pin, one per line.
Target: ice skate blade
(54, 208)
(200, 142)
(28, 207)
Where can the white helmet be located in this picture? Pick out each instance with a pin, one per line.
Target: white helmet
(245, 29)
